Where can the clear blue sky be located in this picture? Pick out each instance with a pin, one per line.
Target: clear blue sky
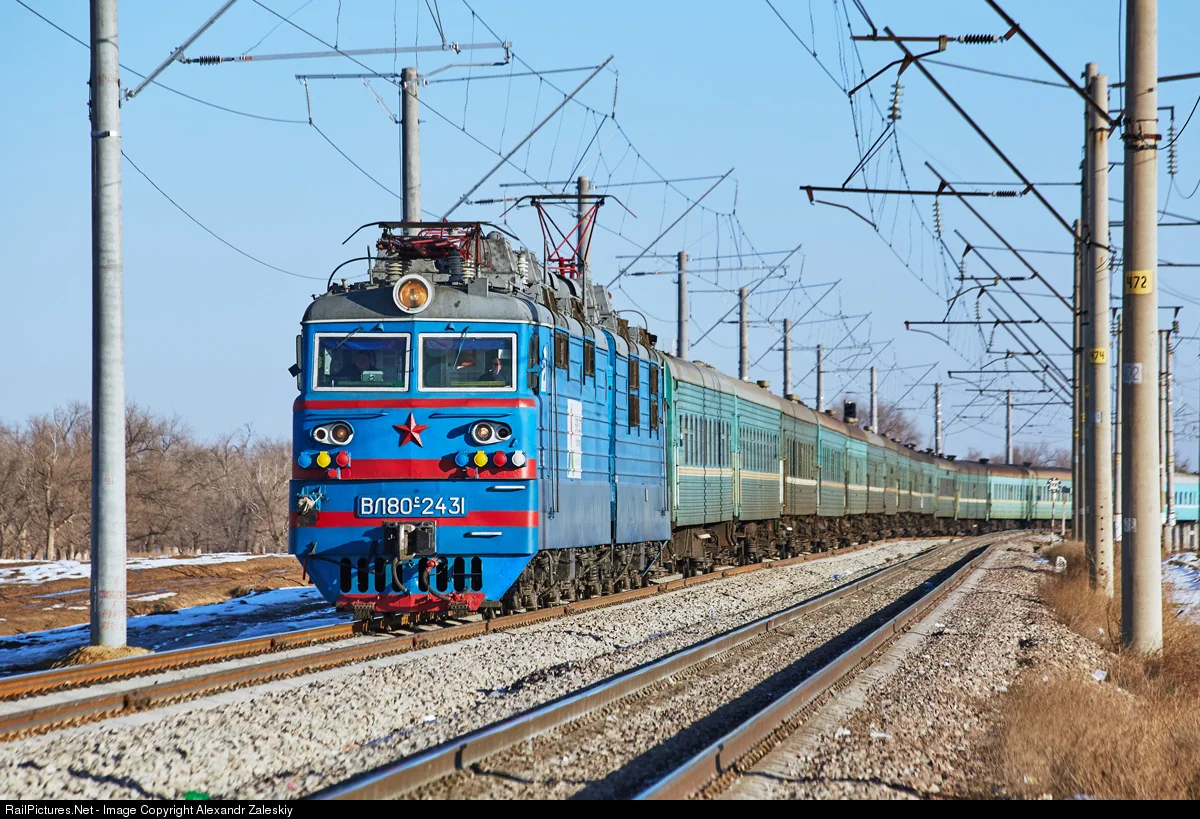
(703, 87)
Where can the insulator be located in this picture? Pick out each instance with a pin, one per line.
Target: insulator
(208, 60)
(979, 39)
(897, 90)
(992, 338)
(978, 311)
(396, 267)
(1172, 158)
(937, 216)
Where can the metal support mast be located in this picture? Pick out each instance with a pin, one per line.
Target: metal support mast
(820, 378)
(1141, 569)
(874, 401)
(937, 419)
(744, 334)
(787, 357)
(1008, 430)
(1117, 434)
(108, 336)
(410, 146)
(1098, 438)
(583, 259)
(683, 311)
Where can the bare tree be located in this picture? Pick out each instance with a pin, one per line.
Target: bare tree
(60, 463)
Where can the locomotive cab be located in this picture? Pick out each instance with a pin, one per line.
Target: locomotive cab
(415, 433)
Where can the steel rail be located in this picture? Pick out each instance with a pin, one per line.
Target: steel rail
(115, 703)
(722, 758)
(458, 754)
(39, 682)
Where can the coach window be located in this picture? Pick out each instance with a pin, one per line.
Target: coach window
(460, 361)
(361, 361)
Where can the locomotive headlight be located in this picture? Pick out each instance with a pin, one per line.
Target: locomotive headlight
(412, 293)
(341, 433)
(490, 432)
(320, 435)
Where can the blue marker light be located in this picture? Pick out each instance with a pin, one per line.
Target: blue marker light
(304, 460)
(462, 459)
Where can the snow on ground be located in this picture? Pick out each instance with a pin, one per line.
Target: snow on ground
(271, 612)
(1182, 571)
(43, 571)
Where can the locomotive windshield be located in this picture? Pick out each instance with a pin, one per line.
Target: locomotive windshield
(362, 361)
(461, 361)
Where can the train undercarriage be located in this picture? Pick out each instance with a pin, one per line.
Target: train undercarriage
(559, 576)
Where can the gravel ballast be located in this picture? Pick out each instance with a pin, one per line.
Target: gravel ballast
(290, 738)
(919, 725)
(615, 754)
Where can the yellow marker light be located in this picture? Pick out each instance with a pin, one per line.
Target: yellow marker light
(323, 460)
(411, 293)
(481, 458)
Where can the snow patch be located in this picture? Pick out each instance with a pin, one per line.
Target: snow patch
(44, 571)
(271, 612)
(1182, 572)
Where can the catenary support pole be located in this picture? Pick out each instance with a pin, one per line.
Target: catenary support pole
(1098, 460)
(1008, 430)
(1141, 569)
(683, 310)
(937, 419)
(108, 336)
(1169, 414)
(1162, 432)
(744, 334)
(820, 378)
(787, 356)
(1085, 316)
(874, 401)
(410, 146)
(1077, 386)
(1117, 465)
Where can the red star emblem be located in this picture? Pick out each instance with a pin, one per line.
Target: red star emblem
(410, 430)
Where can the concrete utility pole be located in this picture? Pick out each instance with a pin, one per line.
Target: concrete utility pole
(787, 356)
(1141, 569)
(937, 419)
(1170, 416)
(1117, 466)
(820, 378)
(1098, 463)
(744, 334)
(108, 336)
(410, 146)
(1008, 430)
(874, 401)
(683, 311)
(1077, 383)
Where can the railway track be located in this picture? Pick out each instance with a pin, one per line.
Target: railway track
(25, 707)
(618, 737)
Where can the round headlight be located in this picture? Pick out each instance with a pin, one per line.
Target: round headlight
(320, 435)
(411, 293)
(341, 432)
(503, 432)
(483, 433)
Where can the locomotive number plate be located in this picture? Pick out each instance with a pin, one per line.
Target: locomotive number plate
(415, 507)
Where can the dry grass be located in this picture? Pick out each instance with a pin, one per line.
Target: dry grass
(1134, 736)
